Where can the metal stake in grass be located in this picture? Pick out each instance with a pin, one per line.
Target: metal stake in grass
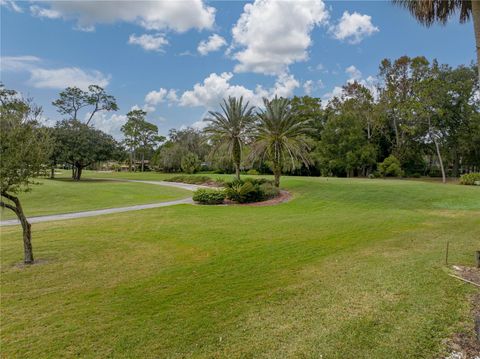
(446, 255)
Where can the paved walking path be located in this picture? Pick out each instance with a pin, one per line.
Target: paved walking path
(60, 217)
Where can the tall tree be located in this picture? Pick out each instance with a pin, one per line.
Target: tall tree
(24, 150)
(72, 100)
(396, 100)
(228, 129)
(430, 11)
(347, 146)
(280, 137)
(140, 135)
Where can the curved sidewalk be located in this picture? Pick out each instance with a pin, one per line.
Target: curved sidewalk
(60, 217)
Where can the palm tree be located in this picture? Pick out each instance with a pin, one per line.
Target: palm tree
(279, 136)
(228, 128)
(429, 11)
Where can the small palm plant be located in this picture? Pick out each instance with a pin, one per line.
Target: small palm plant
(280, 137)
(228, 129)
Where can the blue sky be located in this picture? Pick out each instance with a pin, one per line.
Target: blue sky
(148, 54)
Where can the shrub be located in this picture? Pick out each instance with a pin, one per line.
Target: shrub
(269, 191)
(250, 190)
(390, 167)
(190, 163)
(209, 196)
(253, 172)
(470, 178)
(190, 179)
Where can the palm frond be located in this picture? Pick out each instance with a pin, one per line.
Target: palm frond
(429, 11)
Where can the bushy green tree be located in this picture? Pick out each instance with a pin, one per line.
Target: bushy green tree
(390, 167)
(190, 163)
(80, 145)
(24, 152)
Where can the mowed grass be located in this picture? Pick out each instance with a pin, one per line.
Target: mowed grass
(63, 195)
(347, 269)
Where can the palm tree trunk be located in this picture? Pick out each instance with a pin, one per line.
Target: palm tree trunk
(476, 27)
(237, 158)
(277, 172)
(237, 171)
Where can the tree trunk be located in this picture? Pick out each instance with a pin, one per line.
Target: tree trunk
(78, 172)
(143, 161)
(456, 163)
(73, 172)
(52, 172)
(131, 160)
(476, 27)
(437, 147)
(26, 226)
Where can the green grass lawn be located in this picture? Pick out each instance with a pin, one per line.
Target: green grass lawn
(347, 269)
(63, 195)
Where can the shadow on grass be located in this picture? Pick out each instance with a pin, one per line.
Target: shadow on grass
(83, 180)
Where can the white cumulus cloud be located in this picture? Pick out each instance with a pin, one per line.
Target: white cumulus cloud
(153, 98)
(211, 92)
(149, 42)
(54, 78)
(109, 123)
(179, 16)
(214, 43)
(67, 76)
(353, 27)
(270, 35)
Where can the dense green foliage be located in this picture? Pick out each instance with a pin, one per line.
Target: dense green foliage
(190, 163)
(190, 179)
(250, 190)
(209, 196)
(390, 167)
(470, 178)
(24, 145)
(180, 143)
(308, 278)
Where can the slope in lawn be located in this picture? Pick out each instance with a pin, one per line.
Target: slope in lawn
(347, 269)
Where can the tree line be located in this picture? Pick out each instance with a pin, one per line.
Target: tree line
(421, 119)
